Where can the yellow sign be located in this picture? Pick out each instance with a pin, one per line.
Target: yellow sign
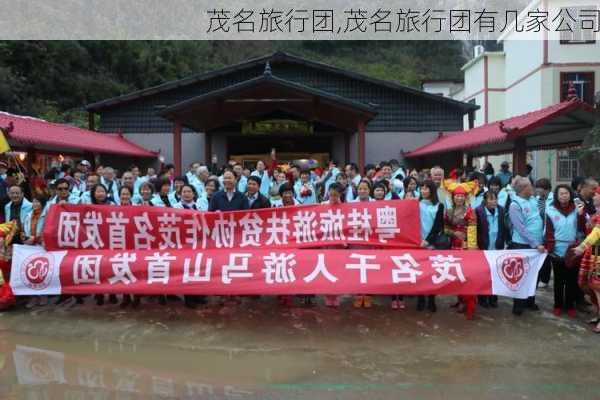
(277, 126)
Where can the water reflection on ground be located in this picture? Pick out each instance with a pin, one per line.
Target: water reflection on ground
(261, 351)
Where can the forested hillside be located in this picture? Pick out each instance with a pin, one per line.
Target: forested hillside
(54, 79)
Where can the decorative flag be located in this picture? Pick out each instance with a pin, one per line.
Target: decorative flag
(4, 147)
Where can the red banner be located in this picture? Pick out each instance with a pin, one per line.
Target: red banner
(382, 224)
(272, 272)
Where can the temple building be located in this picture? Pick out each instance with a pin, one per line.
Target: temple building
(303, 108)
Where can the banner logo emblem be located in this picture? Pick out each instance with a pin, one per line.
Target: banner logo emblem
(36, 273)
(512, 269)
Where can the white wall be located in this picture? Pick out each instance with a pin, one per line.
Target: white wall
(522, 57)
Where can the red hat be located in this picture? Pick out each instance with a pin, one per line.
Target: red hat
(598, 189)
(459, 190)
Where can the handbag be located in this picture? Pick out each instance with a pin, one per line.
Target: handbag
(442, 242)
(572, 260)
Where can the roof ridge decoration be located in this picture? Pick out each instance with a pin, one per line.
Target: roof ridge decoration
(267, 69)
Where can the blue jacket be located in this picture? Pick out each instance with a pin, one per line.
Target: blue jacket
(201, 204)
(39, 227)
(561, 230)
(25, 209)
(527, 211)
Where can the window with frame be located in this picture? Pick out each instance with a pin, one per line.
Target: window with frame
(583, 82)
(568, 164)
(578, 25)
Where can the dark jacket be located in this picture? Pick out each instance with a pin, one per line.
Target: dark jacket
(260, 202)
(220, 202)
(482, 229)
(438, 226)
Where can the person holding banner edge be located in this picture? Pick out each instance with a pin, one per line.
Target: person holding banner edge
(528, 230)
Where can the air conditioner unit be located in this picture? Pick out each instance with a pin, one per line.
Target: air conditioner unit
(478, 50)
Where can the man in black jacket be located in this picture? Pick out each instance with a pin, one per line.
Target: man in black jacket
(255, 198)
(229, 199)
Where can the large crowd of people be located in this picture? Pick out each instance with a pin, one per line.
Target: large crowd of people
(464, 209)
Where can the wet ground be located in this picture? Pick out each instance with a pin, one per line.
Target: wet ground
(260, 350)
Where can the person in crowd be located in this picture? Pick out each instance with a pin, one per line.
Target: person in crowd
(460, 224)
(110, 184)
(86, 196)
(398, 171)
(477, 198)
(265, 179)
(491, 233)
(168, 198)
(305, 192)
(431, 213)
(178, 183)
(329, 177)
(147, 197)
(63, 194)
(390, 192)
(528, 230)
(488, 170)
(286, 193)
(255, 198)
(437, 176)
(169, 172)
(199, 180)
(210, 188)
(85, 167)
(363, 193)
(370, 172)
(274, 196)
(354, 178)
(545, 198)
(190, 175)
(78, 183)
(190, 201)
(127, 179)
(336, 197)
(266, 176)
(349, 193)
(241, 180)
(125, 196)
(586, 195)
(411, 188)
(494, 185)
(125, 199)
(504, 174)
(385, 171)
(380, 190)
(33, 223)
(562, 222)
(543, 194)
(589, 251)
(99, 195)
(229, 199)
(18, 207)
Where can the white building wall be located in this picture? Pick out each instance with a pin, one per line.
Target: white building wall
(525, 97)
(522, 57)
